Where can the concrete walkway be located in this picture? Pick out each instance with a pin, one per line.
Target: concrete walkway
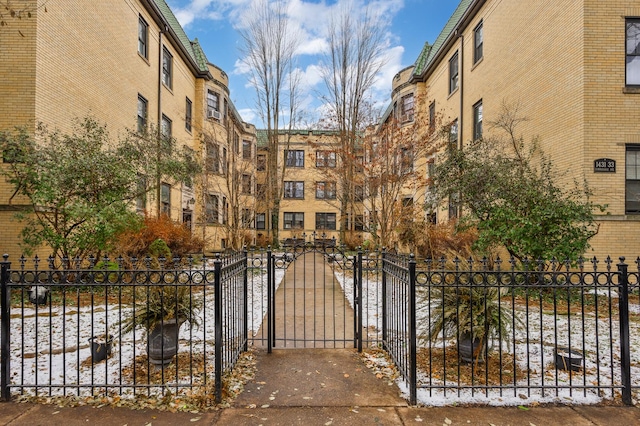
(311, 310)
(319, 387)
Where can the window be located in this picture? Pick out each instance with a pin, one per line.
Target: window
(225, 210)
(326, 159)
(165, 199)
(261, 163)
(453, 73)
(453, 134)
(633, 52)
(167, 68)
(632, 187)
(407, 108)
(141, 198)
(211, 208)
(478, 42)
(247, 221)
(359, 223)
(165, 127)
(260, 190)
(359, 164)
(326, 221)
(477, 121)
(246, 184)
(294, 157)
(213, 105)
(213, 158)
(432, 116)
(261, 221)
(358, 193)
(187, 114)
(224, 160)
(143, 106)
(143, 37)
(293, 189)
(326, 190)
(406, 160)
(293, 220)
(236, 142)
(246, 150)
(453, 206)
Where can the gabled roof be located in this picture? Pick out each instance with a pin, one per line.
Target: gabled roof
(429, 53)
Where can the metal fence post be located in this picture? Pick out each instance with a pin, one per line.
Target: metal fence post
(359, 302)
(6, 334)
(218, 326)
(245, 296)
(270, 296)
(413, 382)
(384, 301)
(625, 349)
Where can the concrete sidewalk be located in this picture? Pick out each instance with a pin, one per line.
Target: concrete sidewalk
(320, 387)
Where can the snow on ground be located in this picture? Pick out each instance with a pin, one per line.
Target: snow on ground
(534, 351)
(35, 361)
(45, 351)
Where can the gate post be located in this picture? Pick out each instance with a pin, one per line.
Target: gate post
(218, 326)
(359, 333)
(270, 297)
(625, 350)
(413, 382)
(5, 345)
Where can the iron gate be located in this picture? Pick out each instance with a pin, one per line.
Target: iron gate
(312, 296)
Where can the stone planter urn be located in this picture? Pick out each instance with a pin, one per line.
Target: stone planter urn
(162, 341)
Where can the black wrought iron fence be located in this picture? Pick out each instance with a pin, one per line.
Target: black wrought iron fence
(122, 327)
(512, 334)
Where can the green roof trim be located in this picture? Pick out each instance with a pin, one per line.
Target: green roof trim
(422, 59)
(198, 58)
(201, 58)
(426, 57)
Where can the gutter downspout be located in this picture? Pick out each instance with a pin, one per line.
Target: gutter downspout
(159, 129)
(461, 113)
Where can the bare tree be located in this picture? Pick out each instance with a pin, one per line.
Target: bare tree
(269, 49)
(397, 155)
(353, 61)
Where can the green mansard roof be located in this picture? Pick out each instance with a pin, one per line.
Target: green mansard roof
(429, 52)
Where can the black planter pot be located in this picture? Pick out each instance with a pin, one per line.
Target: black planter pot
(467, 348)
(568, 359)
(162, 341)
(38, 295)
(100, 348)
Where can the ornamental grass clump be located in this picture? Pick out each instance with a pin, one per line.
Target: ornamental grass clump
(158, 303)
(467, 306)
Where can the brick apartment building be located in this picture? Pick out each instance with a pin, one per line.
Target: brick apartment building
(573, 69)
(127, 63)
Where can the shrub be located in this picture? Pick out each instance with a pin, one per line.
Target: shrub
(178, 240)
(159, 248)
(441, 239)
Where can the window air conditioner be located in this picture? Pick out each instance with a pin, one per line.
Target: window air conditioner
(212, 113)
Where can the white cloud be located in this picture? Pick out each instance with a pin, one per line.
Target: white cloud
(248, 115)
(309, 19)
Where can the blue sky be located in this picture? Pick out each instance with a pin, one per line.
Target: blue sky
(410, 24)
